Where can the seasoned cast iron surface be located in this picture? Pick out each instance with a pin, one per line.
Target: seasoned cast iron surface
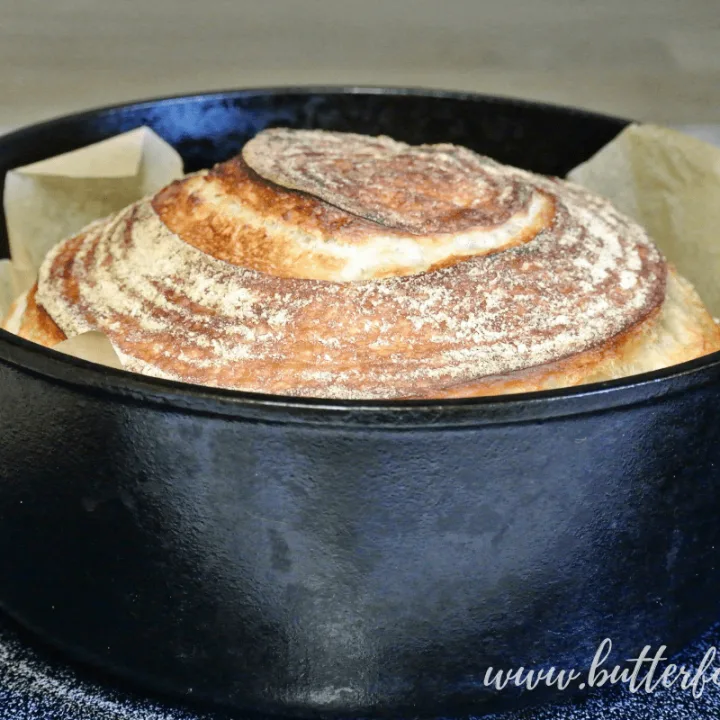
(298, 558)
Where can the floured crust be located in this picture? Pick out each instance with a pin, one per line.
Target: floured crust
(34, 323)
(225, 278)
(680, 330)
(233, 214)
(422, 189)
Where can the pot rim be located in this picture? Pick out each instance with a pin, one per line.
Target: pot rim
(399, 414)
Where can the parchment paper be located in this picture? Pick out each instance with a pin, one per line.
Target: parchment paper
(92, 346)
(7, 291)
(50, 200)
(670, 183)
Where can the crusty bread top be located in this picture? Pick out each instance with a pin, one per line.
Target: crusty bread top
(422, 189)
(228, 278)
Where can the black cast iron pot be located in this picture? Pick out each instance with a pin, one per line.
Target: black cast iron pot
(299, 556)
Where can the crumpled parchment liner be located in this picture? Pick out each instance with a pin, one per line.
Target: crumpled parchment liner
(670, 183)
(53, 199)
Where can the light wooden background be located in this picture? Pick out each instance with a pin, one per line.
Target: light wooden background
(650, 59)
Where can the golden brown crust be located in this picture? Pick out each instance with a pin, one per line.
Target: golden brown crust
(237, 216)
(37, 325)
(175, 312)
(201, 284)
(422, 189)
(680, 330)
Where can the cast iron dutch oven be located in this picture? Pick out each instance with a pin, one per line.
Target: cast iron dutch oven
(324, 557)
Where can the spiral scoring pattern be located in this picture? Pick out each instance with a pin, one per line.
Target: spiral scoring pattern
(186, 291)
(425, 189)
(235, 215)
